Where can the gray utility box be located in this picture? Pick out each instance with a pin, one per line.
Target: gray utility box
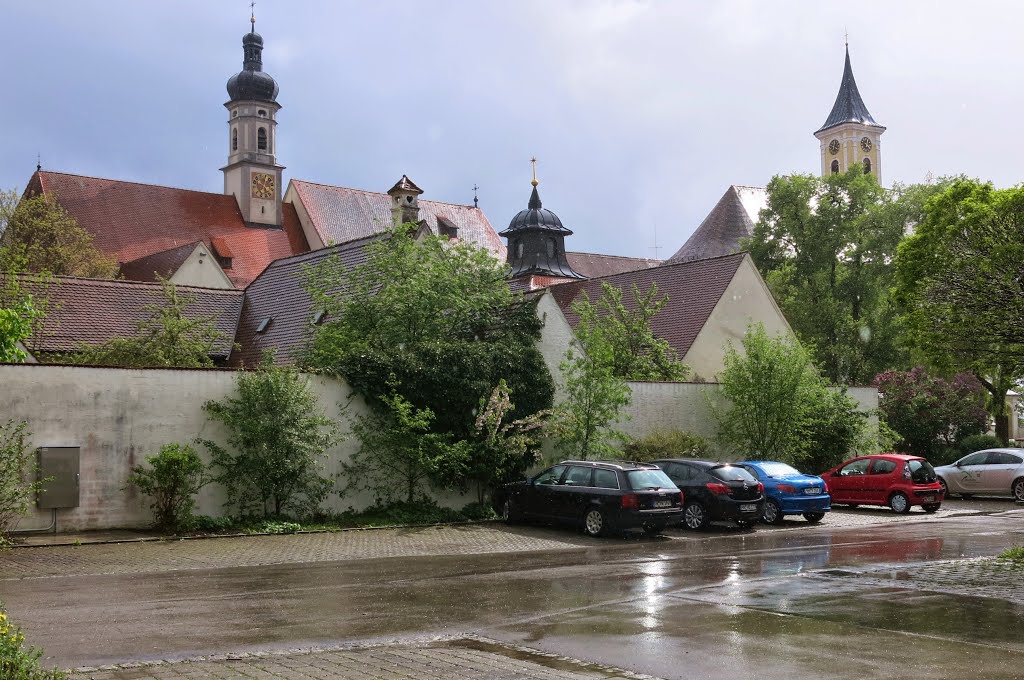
(58, 465)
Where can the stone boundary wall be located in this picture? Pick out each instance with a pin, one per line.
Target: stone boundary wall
(119, 416)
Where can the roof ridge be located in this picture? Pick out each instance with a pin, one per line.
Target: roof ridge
(128, 181)
(167, 250)
(379, 193)
(665, 264)
(131, 282)
(344, 245)
(749, 186)
(621, 257)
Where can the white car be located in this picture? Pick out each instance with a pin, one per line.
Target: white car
(992, 472)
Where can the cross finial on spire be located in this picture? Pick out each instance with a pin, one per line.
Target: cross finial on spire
(475, 200)
(846, 38)
(39, 162)
(533, 161)
(252, 15)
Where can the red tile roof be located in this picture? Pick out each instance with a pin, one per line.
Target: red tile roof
(593, 265)
(92, 311)
(693, 289)
(340, 214)
(278, 295)
(130, 221)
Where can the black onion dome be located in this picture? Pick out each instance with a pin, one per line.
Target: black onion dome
(251, 82)
(536, 217)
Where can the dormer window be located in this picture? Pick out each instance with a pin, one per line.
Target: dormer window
(222, 252)
(319, 316)
(263, 325)
(446, 228)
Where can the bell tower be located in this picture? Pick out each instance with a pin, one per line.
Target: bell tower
(252, 174)
(850, 135)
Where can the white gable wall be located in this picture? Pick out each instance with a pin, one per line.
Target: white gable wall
(200, 268)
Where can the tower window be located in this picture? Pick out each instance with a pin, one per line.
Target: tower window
(519, 249)
(551, 247)
(261, 139)
(261, 113)
(867, 166)
(234, 139)
(835, 167)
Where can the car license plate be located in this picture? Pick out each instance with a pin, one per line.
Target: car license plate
(812, 491)
(663, 504)
(748, 507)
(928, 499)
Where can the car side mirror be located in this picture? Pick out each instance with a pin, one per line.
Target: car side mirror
(958, 464)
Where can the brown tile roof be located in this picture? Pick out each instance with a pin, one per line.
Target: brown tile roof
(732, 219)
(130, 221)
(340, 214)
(91, 311)
(278, 295)
(593, 265)
(162, 264)
(693, 289)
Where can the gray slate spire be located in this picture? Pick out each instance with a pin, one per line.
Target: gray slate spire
(849, 107)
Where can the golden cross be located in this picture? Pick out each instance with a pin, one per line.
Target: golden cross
(252, 17)
(533, 161)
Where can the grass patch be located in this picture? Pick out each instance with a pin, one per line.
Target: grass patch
(1015, 555)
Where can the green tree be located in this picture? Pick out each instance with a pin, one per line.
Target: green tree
(168, 337)
(18, 472)
(959, 280)
(585, 420)
(502, 448)
(400, 455)
(434, 322)
(637, 354)
(825, 248)
(38, 235)
(279, 437)
(19, 316)
(779, 408)
(173, 478)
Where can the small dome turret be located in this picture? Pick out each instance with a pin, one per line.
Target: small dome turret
(251, 83)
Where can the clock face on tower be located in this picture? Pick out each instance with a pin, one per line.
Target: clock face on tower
(865, 144)
(833, 147)
(262, 185)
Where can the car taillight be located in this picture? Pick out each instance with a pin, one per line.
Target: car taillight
(906, 471)
(760, 487)
(717, 489)
(630, 500)
(682, 499)
(824, 486)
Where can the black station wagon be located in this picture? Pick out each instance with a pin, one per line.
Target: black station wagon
(600, 497)
(715, 492)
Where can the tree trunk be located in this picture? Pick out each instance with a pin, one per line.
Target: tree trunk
(1003, 427)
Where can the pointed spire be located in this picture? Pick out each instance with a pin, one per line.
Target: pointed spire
(849, 107)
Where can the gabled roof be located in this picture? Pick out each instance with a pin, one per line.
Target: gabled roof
(405, 184)
(162, 264)
(340, 214)
(279, 297)
(92, 311)
(849, 107)
(732, 219)
(693, 289)
(130, 221)
(592, 265)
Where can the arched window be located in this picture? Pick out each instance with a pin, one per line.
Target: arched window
(234, 139)
(867, 166)
(551, 248)
(261, 139)
(519, 249)
(835, 167)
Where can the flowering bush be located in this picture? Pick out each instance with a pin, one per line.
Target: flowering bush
(931, 414)
(18, 662)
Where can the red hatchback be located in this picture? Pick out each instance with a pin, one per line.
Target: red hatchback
(885, 479)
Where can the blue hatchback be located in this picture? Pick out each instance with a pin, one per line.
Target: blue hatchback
(789, 492)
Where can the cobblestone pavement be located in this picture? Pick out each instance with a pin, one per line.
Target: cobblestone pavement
(466, 658)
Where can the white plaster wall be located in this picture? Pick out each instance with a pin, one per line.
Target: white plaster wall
(746, 300)
(555, 338)
(120, 416)
(201, 269)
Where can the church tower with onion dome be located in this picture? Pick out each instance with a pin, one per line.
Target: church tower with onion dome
(252, 174)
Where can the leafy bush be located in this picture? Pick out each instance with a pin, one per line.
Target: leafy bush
(667, 444)
(211, 525)
(977, 442)
(274, 527)
(174, 477)
(477, 511)
(945, 455)
(17, 466)
(18, 662)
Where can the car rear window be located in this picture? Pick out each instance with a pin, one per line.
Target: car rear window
(649, 479)
(921, 471)
(779, 470)
(731, 473)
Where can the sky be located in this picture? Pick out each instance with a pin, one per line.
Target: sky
(640, 113)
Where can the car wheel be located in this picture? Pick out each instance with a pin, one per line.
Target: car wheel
(695, 516)
(1018, 490)
(594, 523)
(932, 507)
(509, 513)
(814, 517)
(772, 513)
(654, 529)
(945, 489)
(899, 503)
